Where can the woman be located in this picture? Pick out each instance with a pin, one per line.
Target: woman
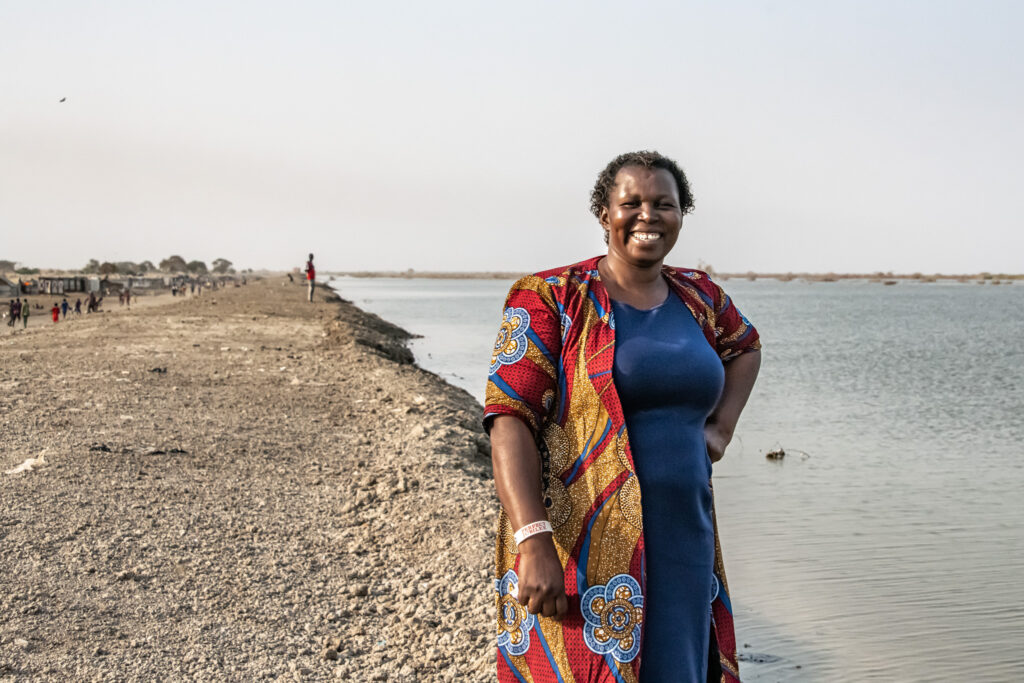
(614, 385)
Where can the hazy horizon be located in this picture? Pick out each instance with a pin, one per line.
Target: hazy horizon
(486, 274)
(853, 137)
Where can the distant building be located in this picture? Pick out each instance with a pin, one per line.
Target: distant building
(135, 283)
(29, 286)
(9, 288)
(62, 285)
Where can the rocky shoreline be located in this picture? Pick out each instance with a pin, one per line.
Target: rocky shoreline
(240, 486)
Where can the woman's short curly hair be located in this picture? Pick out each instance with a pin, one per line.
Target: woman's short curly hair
(606, 179)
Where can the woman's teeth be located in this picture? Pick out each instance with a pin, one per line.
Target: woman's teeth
(645, 236)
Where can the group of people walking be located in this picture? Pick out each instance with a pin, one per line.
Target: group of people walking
(61, 310)
(194, 287)
(19, 310)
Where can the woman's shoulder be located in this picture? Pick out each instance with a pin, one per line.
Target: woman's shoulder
(689, 273)
(692, 276)
(698, 280)
(555, 287)
(585, 268)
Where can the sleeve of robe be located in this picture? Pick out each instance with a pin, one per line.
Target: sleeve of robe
(734, 334)
(523, 371)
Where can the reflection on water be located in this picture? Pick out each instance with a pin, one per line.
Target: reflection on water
(887, 545)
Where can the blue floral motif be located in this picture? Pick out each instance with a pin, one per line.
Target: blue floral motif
(514, 622)
(566, 324)
(553, 280)
(612, 614)
(714, 587)
(611, 319)
(510, 346)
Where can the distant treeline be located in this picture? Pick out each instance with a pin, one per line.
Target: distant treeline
(171, 264)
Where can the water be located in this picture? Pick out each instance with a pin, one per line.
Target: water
(888, 544)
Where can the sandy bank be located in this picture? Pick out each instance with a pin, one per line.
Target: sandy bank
(240, 486)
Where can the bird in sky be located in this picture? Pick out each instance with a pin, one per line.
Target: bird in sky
(62, 99)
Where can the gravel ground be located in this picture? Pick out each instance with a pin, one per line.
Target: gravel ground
(240, 486)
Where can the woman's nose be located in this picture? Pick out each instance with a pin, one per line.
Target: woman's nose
(646, 213)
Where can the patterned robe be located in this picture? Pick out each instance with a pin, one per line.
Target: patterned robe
(552, 368)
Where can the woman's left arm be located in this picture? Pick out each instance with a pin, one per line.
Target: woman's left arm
(740, 374)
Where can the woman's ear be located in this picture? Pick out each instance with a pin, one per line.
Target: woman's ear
(603, 218)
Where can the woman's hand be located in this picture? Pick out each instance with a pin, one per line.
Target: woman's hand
(541, 582)
(717, 438)
(740, 374)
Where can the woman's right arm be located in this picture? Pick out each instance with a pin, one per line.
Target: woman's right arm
(517, 476)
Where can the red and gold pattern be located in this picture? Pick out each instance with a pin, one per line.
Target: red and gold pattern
(561, 387)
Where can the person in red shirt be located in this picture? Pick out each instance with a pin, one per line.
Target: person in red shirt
(310, 276)
(55, 312)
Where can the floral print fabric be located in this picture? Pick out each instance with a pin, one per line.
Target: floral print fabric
(613, 613)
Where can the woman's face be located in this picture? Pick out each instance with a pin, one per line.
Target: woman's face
(642, 217)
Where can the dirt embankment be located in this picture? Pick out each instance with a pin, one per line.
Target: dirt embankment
(240, 486)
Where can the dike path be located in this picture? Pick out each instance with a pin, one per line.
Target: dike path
(240, 486)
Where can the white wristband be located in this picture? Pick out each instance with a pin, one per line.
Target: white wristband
(532, 529)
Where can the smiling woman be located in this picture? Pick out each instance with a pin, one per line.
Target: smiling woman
(614, 385)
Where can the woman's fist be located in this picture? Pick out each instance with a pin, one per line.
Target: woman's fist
(541, 582)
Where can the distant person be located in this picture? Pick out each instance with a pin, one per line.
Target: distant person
(24, 313)
(78, 306)
(128, 298)
(310, 277)
(55, 312)
(64, 307)
(290, 278)
(10, 321)
(192, 287)
(17, 312)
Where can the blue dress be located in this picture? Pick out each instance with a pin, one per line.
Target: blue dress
(669, 380)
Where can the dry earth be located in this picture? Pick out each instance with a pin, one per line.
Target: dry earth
(239, 486)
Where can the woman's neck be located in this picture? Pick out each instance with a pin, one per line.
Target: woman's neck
(640, 287)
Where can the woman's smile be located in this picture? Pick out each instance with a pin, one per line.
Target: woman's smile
(645, 236)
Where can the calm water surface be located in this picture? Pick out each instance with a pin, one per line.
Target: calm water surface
(888, 544)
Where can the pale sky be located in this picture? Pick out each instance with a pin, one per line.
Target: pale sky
(818, 136)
